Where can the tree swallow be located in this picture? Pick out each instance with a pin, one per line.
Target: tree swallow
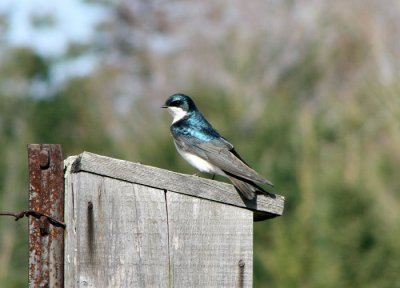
(205, 149)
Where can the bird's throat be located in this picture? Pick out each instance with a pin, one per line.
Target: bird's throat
(177, 113)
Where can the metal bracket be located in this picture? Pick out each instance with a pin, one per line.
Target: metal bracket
(46, 195)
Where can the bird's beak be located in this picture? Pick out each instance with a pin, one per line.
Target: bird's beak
(164, 106)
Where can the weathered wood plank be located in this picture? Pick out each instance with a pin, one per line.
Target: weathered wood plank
(138, 236)
(122, 241)
(211, 244)
(263, 206)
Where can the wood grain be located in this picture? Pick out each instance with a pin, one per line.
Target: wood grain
(122, 241)
(211, 244)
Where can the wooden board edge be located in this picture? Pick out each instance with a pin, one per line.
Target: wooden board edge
(264, 207)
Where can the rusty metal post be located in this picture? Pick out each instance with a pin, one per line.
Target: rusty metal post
(46, 195)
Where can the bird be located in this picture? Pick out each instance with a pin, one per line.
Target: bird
(204, 148)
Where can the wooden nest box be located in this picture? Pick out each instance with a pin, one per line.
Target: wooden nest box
(131, 225)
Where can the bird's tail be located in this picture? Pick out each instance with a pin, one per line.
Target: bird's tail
(248, 188)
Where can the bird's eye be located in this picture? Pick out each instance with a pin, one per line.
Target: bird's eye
(176, 103)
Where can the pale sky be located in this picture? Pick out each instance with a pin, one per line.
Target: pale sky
(68, 21)
(74, 21)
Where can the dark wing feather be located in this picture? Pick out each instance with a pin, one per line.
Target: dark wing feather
(221, 153)
(227, 161)
(248, 190)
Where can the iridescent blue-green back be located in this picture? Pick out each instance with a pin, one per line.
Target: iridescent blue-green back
(196, 126)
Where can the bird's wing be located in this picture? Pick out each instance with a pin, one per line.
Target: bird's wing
(227, 159)
(221, 153)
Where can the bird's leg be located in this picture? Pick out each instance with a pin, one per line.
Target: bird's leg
(213, 177)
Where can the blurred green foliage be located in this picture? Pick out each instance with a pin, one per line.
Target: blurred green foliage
(327, 137)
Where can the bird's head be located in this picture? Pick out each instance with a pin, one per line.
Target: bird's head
(179, 105)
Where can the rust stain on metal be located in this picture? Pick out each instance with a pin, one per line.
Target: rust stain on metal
(46, 195)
